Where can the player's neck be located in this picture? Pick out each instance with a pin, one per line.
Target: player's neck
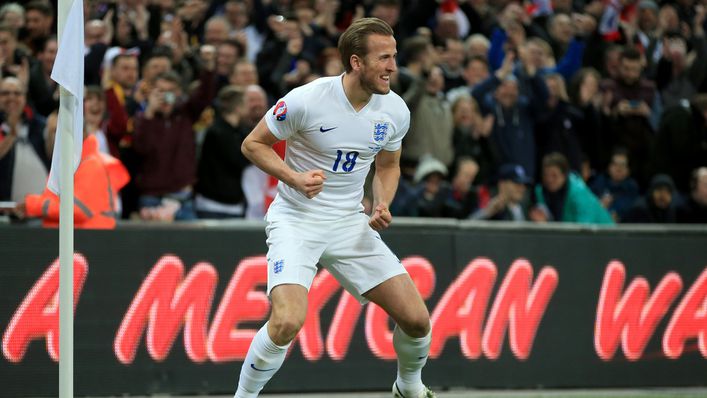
(355, 93)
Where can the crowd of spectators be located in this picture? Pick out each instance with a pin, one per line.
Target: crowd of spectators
(590, 111)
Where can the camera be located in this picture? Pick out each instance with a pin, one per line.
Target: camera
(169, 97)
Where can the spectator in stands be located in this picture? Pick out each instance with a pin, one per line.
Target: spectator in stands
(121, 107)
(165, 142)
(242, 27)
(14, 61)
(648, 34)
(695, 210)
(660, 204)
(509, 201)
(94, 116)
(219, 193)
(39, 22)
(471, 137)
(130, 27)
(286, 41)
(98, 34)
(388, 11)
(434, 194)
(561, 33)
(452, 63)
(120, 102)
(431, 121)
(563, 196)
(463, 200)
(681, 144)
(615, 188)
(13, 15)
(158, 62)
(417, 56)
(678, 76)
(24, 160)
(476, 70)
(556, 130)
(97, 181)
(244, 74)
(611, 68)
(514, 114)
(586, 99)
(174, 38)
(256, 104)
(216, 31)
(228, 53)
(194, 14)
(477, 45)
(294, 65)
(43, 92)
(629, 107)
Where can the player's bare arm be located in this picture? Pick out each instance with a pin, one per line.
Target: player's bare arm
(385, 183)
(257, 147)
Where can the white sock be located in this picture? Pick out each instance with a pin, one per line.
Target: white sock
(412, 355)
(261, 363)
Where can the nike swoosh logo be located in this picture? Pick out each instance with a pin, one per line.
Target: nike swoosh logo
(323, 130)
(261, 370)
(399, 393)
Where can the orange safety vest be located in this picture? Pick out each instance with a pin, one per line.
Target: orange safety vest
(96, 184)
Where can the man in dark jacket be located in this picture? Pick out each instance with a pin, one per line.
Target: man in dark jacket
(695, 210)
(681, 145)
(515, 113)
(658, 206)
(219, 192)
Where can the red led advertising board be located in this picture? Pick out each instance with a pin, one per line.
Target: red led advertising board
(173, 311)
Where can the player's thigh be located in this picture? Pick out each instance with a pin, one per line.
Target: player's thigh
(293, 253)
(358, 257)
(399, 297)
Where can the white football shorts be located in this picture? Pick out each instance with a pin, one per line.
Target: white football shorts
(348, 248)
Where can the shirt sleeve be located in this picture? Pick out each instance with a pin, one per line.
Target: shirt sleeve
(286, 117)
(401, 129)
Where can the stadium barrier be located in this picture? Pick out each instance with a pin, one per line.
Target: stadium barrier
(172, 310)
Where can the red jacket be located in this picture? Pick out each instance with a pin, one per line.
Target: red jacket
(96, 184)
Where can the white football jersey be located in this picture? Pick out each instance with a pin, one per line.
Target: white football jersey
(323, 131)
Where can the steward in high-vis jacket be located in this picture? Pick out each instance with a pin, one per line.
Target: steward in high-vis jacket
(96, 184)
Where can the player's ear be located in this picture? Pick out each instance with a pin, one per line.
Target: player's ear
(355, 61)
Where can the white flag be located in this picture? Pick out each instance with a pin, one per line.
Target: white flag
(68, 72)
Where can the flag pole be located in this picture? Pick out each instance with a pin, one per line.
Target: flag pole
(66, 229)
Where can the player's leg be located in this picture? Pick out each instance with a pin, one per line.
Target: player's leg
(269, 346)
(293, 251)
(366, 267)
(399, 297)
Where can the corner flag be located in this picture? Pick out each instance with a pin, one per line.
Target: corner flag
(68, 72)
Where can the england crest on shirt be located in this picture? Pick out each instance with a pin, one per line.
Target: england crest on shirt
(380, 131)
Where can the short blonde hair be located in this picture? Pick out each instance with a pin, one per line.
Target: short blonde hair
(354, 40)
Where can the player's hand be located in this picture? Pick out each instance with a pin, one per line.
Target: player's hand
(381, 217)
(310, 183)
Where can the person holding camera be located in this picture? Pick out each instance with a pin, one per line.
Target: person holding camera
(165, 141)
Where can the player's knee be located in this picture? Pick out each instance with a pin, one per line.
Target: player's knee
(285, 329)
(416, 326)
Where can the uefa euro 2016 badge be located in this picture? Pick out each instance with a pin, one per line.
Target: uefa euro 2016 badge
(280, 111)
(380, 130)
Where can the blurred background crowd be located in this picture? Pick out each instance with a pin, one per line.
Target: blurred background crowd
(589, 111)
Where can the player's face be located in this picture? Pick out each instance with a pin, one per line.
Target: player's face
(378, 64)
